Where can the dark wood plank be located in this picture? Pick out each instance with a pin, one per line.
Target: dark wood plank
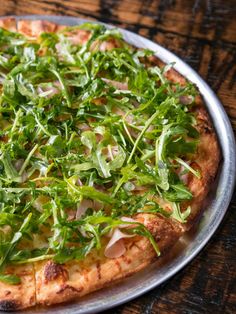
(203, 33)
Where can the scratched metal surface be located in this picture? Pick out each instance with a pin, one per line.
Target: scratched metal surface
(202, 33)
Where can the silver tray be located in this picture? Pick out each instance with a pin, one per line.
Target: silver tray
(190, 244)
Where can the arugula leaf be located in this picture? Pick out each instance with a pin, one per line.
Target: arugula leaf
(178, 214)
(178, 193)
(88, 192)
(10, 171)
(88, 138)
(16, 238)
(10, 279)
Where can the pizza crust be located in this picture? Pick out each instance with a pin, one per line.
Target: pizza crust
(9, 23)
(207, 157)
(21, 296)
(59, 283)
(206, 161)
(33, 28)
(48, 283)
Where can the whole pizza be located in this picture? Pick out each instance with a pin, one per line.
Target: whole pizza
(106, 158)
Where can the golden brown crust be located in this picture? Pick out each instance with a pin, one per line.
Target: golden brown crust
(207, 158)
(53, 283)
(206, 161)
(21, 296)
(59, 283)
(33, 28)
(53, 271)
(8, 23)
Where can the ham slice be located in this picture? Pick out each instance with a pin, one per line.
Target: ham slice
(83, 206)
(115, 247)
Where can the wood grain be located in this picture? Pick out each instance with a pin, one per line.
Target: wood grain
(203, 33)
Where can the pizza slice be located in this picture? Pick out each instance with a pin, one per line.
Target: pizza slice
(140, 157)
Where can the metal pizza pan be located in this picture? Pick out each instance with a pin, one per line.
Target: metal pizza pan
(194, 241)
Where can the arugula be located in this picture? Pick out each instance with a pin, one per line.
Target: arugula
(178, 214)
(78, 122)
(10, 279)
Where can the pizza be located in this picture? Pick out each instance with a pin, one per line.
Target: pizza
(106, 158)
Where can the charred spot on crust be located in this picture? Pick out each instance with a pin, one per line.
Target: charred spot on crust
(98, 267)
(203, 122)
(53, 271)
(164, 232)
(9, 305)
(204, 127)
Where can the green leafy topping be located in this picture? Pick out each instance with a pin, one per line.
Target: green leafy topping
(90, 132)
(10, 279)
(178, 215)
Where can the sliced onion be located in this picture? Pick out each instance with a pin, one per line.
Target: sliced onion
(115, 247)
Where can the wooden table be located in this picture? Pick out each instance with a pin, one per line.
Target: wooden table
(203, 33)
